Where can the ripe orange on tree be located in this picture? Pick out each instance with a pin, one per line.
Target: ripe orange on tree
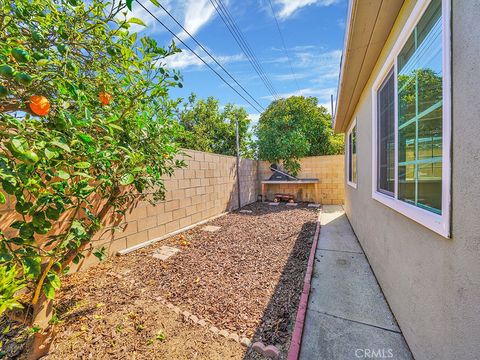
(104, 98)
(39, 105)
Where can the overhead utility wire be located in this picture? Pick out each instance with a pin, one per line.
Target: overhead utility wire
(238, 36)
(248, 47)
(242, 43)
(201, 59)
(284, 46)
(208, 53)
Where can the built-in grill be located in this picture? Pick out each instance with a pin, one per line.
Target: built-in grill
(279, 175)
(282, 177)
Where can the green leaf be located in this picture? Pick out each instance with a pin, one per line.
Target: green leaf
(155, 2)
(82, 165)
(54, 280)
(129, 4)
(87, 139)
(126, 179)
(137, 21)
(19, 145)
(28, 157)
(3, 199)
(50, 154)
(52, 213)
(9, 185)
(31, 265)
(100, 253)
(27, 230)
(23, 207)
(82, 174)
(49, 290)
(61, 145)
(63, 174)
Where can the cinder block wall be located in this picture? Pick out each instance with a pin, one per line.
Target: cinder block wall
(330, 187)
(206, 187)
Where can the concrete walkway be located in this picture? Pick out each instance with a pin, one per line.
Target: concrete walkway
(347, 315)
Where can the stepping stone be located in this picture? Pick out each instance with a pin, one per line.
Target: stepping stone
(246, 211)
(292, 204)
(211, 228)
(314, 205)
(273, 204)
(164, 252)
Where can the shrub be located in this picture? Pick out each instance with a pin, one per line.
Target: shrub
(103, 140)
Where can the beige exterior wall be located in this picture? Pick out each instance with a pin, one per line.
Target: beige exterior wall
(431, 283)
(328, 169)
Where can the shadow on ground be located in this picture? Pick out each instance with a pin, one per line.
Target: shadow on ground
(278, 319)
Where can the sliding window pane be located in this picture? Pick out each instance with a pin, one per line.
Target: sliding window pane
(386, 136)
(420, 105)
(352, 155)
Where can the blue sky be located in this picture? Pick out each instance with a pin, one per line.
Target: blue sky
(312, 29)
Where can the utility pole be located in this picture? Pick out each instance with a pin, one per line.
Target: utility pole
(238, 162)
(331, 104)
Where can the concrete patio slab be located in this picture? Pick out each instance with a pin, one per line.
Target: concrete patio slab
(347, 315)
(331, 338)
(353, 292)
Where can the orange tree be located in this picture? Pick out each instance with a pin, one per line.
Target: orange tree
(85, 129)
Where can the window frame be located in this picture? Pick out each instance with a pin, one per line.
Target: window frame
(352, 183)
(435, 222)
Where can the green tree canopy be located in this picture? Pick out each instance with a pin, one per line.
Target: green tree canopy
(106, 135)
(292, 128)
(207, 128)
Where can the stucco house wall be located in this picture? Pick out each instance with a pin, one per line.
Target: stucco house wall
(431, 283)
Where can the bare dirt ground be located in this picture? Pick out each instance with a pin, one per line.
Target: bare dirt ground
(246, 277)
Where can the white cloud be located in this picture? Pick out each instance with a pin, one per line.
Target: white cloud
(323, 94)
(187, 59)
(289, 7)
(254, 118)
(192, 14)
(197, 14)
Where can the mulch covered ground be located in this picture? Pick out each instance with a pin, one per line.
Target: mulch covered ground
(246, 277)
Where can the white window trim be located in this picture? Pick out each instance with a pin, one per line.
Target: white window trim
(435, 222)
(349, 131)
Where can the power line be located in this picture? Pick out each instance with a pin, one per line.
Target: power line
(284, 46)
(238, 36)
(208, 53)
(200, 58)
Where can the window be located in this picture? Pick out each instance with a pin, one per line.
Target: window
(412, 120)
(352, 155)
(386, 136)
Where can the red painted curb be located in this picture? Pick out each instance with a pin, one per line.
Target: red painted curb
(294, 350)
